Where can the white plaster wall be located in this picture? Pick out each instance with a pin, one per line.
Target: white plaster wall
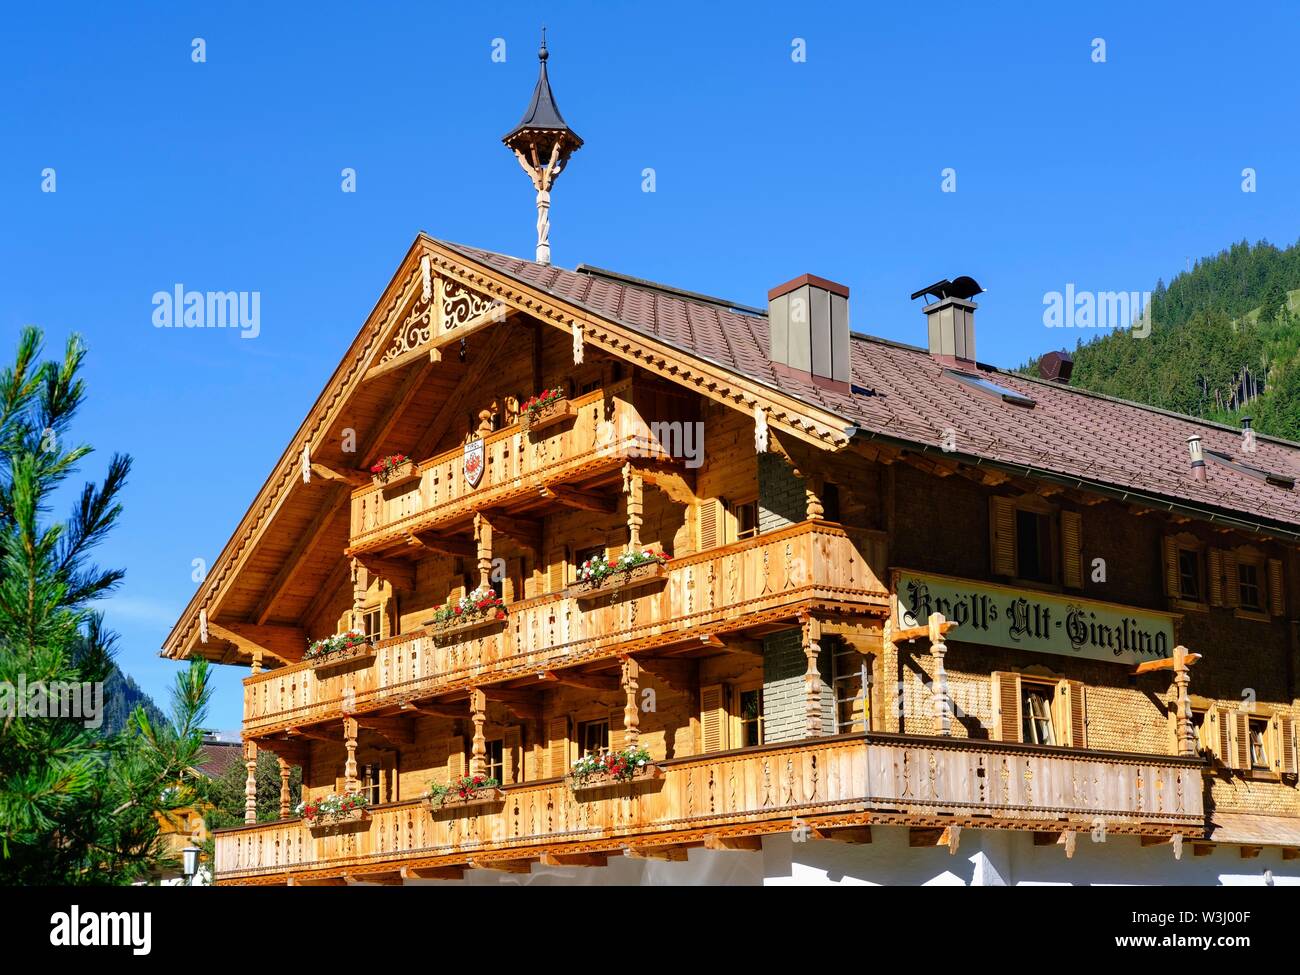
(985, 858)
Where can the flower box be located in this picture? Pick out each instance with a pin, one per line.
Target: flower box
(476, 610)
(444, 630)
(634, 578)
(362, 653)
(594, 783)
(454, 804)
(399, 473)
(530, 421)
(354, 820)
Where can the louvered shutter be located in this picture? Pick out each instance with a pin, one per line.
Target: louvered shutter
(1072, 549)
(512, 758)
(455, 758)
(1231, 580)
(1276, 594)
(1281, 743)
(1215, 560)
(1211, 736)
(1002, 536)
(710, 525)
(1007, 722)
(713, 718)
(1240, 738)
(557, 746)
(616, 736)
(1173, 587)
(1071, 714)
(555, 570)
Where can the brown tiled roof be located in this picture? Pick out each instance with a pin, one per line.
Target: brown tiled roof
(220, 755)
(1069, 433)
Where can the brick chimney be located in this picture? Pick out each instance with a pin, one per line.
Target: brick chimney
(808, 328)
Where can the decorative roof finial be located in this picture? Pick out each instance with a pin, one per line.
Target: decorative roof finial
(542, 142)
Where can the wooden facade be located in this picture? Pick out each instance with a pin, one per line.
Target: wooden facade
(767, 667)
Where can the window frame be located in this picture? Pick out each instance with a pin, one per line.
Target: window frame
(581, 735)
(1046, 690)
(1050, 516)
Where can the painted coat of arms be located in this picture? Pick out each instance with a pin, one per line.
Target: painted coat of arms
(474, 462)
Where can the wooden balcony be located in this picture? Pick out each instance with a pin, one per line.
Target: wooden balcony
(625, 420)
(827, 783)
(760, 580)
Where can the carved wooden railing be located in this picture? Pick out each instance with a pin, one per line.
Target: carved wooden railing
(855, 778)
(608, 427)
(753, 581)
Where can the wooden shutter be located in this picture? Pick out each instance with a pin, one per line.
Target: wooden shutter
(1072, 549)
(1276, 594)
(557, 746)
(1238, 722)
(1173, 588)
(1211, 737)
(713, 718)
(1281, 745)
(709, 527)
(1231, 581)
(1002, 537)
(1007, 723)
(512, 755)
(616, 736)
(1215, 569)
(555, 570)
(455, 758)
(1071, 714)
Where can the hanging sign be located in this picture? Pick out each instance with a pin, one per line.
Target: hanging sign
(475, 461)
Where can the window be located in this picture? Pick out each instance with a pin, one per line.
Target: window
(831, 501)
(1248, 585)
(370, 783)
(1033, 546)
(850, 684)
(593, 737)
(750, 716)
(1189, 574)
(746, 515)
(1036, 713)
(372, 623)
(495, 764)
(1258, 748)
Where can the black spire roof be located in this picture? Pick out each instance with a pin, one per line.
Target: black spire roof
(542, 113)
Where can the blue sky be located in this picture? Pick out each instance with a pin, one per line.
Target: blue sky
(225, 175)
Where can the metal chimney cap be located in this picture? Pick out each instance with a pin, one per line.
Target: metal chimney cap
(963, 287)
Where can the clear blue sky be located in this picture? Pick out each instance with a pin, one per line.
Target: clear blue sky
(226, 176)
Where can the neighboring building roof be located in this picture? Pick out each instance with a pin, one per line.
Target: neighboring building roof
(902, 392)
(220, 755)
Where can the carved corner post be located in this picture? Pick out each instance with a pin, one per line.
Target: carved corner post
(483, 537)
(284, 789)
(938, 649)
(478, 748)
(631, 714)
(814, 486)
(257, 662)
(1183, 661)
(359, 585)
(634, 488)
(351, 783)
(812, 634)
(250, 783)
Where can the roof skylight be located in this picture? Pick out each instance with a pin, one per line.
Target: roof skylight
(990, 389)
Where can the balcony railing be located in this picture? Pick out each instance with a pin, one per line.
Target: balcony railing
(608, 427)
(758, 580)
(838, 781)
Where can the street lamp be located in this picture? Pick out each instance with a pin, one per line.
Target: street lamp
(190, 859)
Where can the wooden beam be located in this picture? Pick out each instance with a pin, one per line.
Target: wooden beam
(680, 675)
(498, 314)
(917, 836)
(318, 732)
(293, 752)
(523, 531)
(284, 643)
(442, 545)
(435, 710)
(1250, 852)
(575, 859)
(317, 881)
(1202, 849)
(310, 536)
(594, 682)
(1290, 853)
(389, 878)
(337, 577)
(452, 406)
(748, 844)
(1047, 837)
(340, 474)
(398, 574)
(605, 504)
(432, 873)
(420, 353)
(398, 730)
(522, 704)
(519, 865)
(384, 427)
(672, 852)
(856, 835)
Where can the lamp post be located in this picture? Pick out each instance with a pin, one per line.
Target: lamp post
(190, 862)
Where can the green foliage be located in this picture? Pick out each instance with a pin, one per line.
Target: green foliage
(1229, 313)
(77, 805)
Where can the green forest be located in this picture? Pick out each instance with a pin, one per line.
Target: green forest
(1224, 343)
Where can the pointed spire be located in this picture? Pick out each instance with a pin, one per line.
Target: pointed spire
(542, 114)
(542, 142)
